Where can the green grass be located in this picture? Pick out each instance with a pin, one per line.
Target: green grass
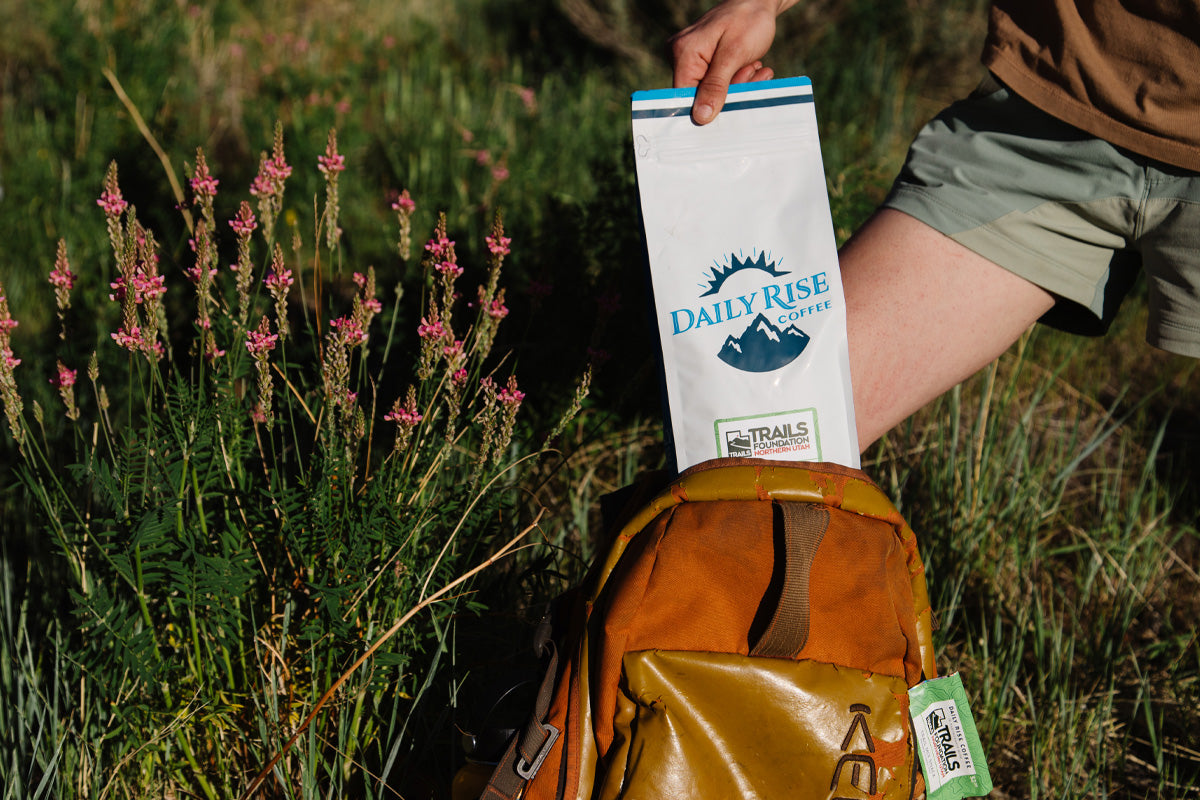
(1054, 493)
(1059, 561)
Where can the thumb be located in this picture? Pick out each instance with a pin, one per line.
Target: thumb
(726, 67)
(710, 98)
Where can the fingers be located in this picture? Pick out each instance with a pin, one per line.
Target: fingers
(725, 46)
(712, 90)
(752, 73)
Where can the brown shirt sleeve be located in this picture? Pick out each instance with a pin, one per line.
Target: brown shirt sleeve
(1127, 72)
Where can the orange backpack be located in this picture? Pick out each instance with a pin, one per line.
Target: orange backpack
(752, 632)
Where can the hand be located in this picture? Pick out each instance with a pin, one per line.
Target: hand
(724, 46)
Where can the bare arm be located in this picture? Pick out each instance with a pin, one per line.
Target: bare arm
(724, 46)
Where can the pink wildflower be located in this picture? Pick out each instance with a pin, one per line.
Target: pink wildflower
(261, 340)
(403, 416)
(130, 339)
(204, 185)
(498, 432)
(497, 310)
(449, 269)
(431, 330)
(261, 185)
(61, 276)
(148, 287)
(259, 343)
(510, 395)
(65, 378)
(194, 274)
(140, 290)
(279, 281)
(204, 190)
(268, 184)
(404, 208)
(332, 162)
(404, 204)
(406, 417)
(500, 173)
(272, 172)
(244, 223)
(350, 330)
(440, 247)
(498, 245)
(528, 98)
(62, 279)
(112, 202)
(11, 398)
(460, 376)
(114, 205)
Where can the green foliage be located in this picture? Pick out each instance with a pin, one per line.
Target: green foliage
(1052, 543)
(180, 584)
(241, 517)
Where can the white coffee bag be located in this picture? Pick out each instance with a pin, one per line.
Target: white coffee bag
(744, 270)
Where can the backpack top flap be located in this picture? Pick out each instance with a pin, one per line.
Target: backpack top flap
(832, 485)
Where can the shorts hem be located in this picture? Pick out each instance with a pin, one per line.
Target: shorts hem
(982, 238)
(1174, 339)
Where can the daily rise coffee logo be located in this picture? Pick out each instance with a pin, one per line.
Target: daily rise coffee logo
(773, 338)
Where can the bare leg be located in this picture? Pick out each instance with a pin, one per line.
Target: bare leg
(924, 313)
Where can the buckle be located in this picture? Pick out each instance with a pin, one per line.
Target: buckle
(527, 770)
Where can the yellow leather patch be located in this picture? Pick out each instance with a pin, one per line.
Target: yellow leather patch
(719, 725)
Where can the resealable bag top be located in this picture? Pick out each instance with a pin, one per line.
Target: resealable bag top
(744, 270)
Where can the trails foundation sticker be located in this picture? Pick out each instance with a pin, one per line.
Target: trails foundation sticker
(789, 435)
(952, 759)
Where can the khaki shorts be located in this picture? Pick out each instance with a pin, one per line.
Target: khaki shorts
(1069, 212)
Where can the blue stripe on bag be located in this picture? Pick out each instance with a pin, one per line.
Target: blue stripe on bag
(738, 105)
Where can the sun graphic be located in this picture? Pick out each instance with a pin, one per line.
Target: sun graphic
(734, 264)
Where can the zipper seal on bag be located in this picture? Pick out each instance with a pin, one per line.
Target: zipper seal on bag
(746, 144)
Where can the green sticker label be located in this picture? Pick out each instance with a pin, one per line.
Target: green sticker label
(952, 759)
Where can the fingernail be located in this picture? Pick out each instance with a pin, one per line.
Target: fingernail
(702, 113)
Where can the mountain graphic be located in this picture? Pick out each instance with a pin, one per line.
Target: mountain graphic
(762, 347)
